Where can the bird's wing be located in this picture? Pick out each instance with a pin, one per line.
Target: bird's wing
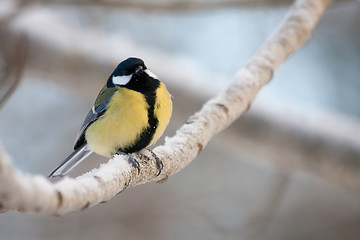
(94, 114)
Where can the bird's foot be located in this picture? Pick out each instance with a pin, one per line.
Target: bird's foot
(134, 163)
(159, 164)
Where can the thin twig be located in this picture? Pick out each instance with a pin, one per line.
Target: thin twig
(14, 70)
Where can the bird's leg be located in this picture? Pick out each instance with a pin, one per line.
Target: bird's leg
(159, 164)
(131, 160)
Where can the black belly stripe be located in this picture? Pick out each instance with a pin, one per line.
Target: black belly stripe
(148, 133)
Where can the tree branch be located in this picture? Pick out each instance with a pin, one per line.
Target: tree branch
(14, 69)
(33, 193)
(179, 5)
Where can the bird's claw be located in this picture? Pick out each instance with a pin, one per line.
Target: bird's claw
(134, 163)
(159, 164)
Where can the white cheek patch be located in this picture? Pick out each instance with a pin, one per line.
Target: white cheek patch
(121, 80)
(150, 74)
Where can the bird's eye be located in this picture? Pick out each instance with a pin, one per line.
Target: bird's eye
(139, 69)
(121, 80)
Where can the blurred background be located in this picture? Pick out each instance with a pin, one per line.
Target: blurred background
(287, 169)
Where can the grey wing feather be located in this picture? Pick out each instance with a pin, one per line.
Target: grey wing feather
(94, 114)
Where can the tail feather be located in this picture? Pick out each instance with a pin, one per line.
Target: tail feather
(71, 161)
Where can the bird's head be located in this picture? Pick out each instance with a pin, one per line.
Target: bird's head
(129, 73)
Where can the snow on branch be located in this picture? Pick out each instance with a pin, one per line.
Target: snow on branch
(35, 193)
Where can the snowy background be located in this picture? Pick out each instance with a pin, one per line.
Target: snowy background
(289, 167)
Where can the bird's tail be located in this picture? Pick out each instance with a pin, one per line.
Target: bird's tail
(71, 161)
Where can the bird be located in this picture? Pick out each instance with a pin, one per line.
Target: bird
(130, 113)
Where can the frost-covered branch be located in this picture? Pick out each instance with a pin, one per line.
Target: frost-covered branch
(29, 193)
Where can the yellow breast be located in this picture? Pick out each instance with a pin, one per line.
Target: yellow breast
(121, 125)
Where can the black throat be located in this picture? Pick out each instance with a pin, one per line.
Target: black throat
(148, 89)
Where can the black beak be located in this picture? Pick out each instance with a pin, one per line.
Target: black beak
(139, 69)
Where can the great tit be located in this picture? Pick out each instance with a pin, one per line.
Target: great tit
(130, 113)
